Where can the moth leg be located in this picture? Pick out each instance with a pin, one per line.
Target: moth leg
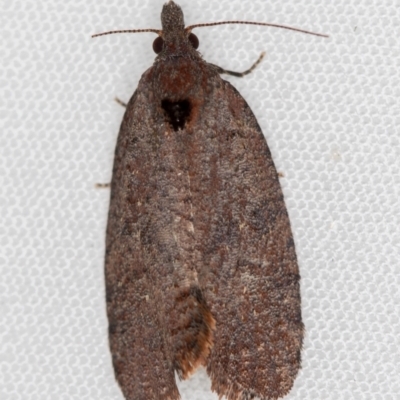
(120, 102)
(102, 185)
(240, 74)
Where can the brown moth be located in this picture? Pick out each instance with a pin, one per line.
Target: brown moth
(200, 261)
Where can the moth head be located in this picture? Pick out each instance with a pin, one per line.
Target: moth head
(173, 37)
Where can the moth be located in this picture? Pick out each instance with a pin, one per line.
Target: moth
(200, 263)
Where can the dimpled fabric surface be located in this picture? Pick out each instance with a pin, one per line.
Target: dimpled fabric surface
(330, 110)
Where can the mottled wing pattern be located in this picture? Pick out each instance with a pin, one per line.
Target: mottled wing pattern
(200, 264)
(159, 322)
(141, 357)
(249, 273)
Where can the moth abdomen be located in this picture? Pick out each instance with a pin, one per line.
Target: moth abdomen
(191, 328)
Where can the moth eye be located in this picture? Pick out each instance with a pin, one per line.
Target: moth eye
(194, 41)
(158, 44)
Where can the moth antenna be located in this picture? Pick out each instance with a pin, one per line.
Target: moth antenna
(189, 28)
(158, 31)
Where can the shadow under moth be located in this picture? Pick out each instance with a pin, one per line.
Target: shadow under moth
(201, 266)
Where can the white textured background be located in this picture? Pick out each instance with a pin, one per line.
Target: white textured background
(330, 109)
